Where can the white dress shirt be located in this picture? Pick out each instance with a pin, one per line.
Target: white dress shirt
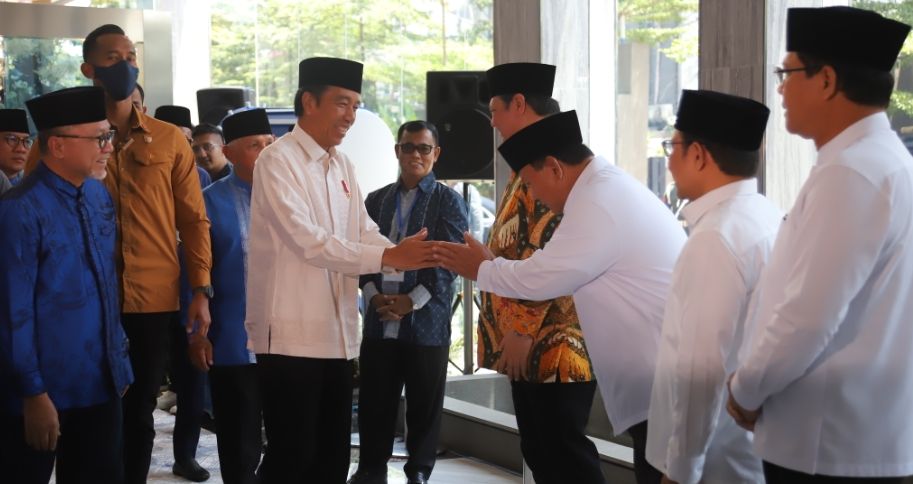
(829, 359)
(691, 438)
(310, 239)
(614, 252)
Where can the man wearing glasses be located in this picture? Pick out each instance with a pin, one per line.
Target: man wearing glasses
(207, 149)
(827, 384)
(713, 156)
(63, 352)
(14, 146)
(406, 333)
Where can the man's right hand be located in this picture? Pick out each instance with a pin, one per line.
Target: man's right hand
(383, 304)
(411, 253)
(514, 360)
(42, 428)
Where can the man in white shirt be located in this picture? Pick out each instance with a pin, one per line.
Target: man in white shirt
(713, 156)
(614, 252)
(310, 239)
(826, 381)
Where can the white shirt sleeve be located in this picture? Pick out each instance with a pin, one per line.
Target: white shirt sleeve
(576, 255)
(845, 221)
(290, 214)
(711, 292)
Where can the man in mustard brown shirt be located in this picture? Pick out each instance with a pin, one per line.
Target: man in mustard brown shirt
(152, 178)
(538, 344)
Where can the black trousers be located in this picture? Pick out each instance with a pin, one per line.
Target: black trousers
(89, 448)
(775, 474)
(552, 418)
(386, 366)
(150, 335)
(307, 411)
(189, 385)
(643, 471)
(236, 405)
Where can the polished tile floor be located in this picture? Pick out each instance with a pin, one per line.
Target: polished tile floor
(450, 469)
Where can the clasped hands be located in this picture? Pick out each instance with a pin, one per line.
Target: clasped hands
(415, 252)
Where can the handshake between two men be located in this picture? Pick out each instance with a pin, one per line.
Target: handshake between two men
(415, 252)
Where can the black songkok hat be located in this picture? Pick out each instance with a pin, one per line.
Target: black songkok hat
(245, 123)
(547, 136)
(176, 115)
(330, 71)
(733, 121)
(846, 35)
(66, 107)
(521, 77)
(14, 120)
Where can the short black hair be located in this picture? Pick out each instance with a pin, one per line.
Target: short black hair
(731, 161)
(542, 105)
(142, 92)
(416, 126)
(92, 39)
(861, 85)
(316, 91)
(207, 128)
(569, 155)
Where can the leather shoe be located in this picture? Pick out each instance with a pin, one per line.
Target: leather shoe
(417, 478)
(190, 470)
(368, 477)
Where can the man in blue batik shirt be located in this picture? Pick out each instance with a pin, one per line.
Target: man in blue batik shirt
(63, 352)
(406, 337)
(232, 375)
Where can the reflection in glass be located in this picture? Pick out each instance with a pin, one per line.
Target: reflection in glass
(32, 67)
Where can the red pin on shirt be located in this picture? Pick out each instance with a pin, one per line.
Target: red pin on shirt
(345, 188)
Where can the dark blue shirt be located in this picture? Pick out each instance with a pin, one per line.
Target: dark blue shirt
(228, 208)
(60, 329)
(443, 212)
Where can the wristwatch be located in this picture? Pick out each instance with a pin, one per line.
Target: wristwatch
(206, 290)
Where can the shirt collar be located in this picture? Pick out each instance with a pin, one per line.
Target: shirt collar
(233, 178)
(313, 150)
(866, 126)
(56, 182)
(696, 209)
(426, 184)
(596, 164)
(138, 120)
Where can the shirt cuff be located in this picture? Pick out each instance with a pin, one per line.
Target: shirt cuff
(420, 297)
(32, 384)
(369, 291)
(483, 275)
(742, 396)
(371, 259)
(685, 470)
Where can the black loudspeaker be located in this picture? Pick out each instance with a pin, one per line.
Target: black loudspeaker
(213, 104)
(457, 103)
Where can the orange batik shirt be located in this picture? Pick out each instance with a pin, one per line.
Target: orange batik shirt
(524, 225)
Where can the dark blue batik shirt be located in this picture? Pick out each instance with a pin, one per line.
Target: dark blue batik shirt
(443, 212)
(60, 329)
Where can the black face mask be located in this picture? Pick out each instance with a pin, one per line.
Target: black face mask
(119, 80)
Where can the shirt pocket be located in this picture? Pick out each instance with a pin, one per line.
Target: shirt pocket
(149, 167)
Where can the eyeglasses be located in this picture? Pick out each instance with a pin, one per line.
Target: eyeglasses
(207, 147)
(13, 141)
(782, 73)
(669, 146)
(103, 140)
(409, 148)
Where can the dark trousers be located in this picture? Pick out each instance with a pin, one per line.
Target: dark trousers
(150, 335)
(775, 474)
(552, 418)
(236, 405)
(386, 366)
(88, 450)
(643, 471)
(307, 411)
(188, 384)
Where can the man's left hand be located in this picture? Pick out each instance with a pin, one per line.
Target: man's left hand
(464, 259)
(199, 313)
(743, 417)
(200, 351)
(401, 304)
